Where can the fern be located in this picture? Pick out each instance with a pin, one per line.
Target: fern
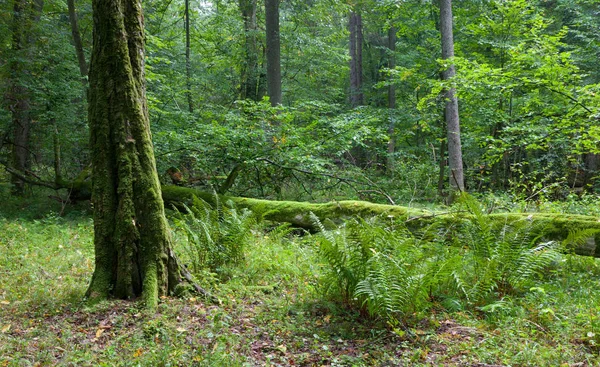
(393, 274)
(579, 238)
(503, 260)
(216, 236)
(347, 251)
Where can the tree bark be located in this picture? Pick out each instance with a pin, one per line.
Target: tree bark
(251, 83)
(591, 170)
(355, 49)
(25, 14)
(133, 254)
(451, 111)
(83, 68)
(391, 99)
(188, 65)
(56, 143)
(442, 168)
(273, 51)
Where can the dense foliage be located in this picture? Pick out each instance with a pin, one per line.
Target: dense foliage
(527, 85)
(394, 273)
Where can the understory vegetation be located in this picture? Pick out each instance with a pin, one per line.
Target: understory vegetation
(284, 183)
(366, 293)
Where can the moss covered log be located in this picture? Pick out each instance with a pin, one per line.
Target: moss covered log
(555, 226)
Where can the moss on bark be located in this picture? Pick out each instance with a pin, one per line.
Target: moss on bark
(131, 237)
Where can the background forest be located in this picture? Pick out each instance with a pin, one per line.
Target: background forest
(526, 83)
(317, 101)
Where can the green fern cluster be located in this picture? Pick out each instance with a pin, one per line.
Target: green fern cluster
(347, 252)
(499, 260)
(216, 236)
(392, 272)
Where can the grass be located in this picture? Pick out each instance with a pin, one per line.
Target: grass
(272, 312)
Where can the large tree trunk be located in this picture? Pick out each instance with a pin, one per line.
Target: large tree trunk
(452, 120)
(131, 238)
(252, 83)
(273, 51)
(355, 49)
(21, 121)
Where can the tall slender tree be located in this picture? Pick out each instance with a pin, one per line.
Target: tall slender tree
(391, 98)
(25, 15)
(188, 63)
(355, 48)
(455, 162)
(252, 83)
(133, 254)
(77, 43)
(273, 51)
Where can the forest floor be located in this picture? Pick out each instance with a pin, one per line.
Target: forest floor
(272, 312)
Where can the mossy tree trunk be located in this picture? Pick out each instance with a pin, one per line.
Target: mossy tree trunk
(550, 225)
(132, 246)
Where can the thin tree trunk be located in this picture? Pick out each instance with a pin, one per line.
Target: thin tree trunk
(591, 170)
(188, 65)
(451, 111)
(442, 168)
(355, 49)
(391, 99)
(83, 69)
(273, 51)
(251, 83)
(25, 14)
(359, 57)
(56, 143)
(133, 254)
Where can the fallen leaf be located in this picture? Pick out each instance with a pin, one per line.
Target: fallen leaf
(5, 302)
(6, 328)
(181, 330)
(99, 332)
(138, 352)
(282, 348)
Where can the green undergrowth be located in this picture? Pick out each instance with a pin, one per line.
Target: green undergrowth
(276, 307)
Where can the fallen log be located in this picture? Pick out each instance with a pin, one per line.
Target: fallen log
(555, 226)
